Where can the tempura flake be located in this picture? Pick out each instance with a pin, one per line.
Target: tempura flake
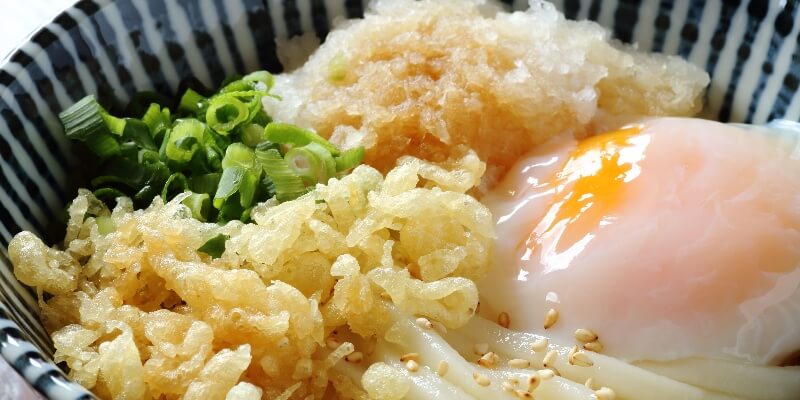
(139, 312)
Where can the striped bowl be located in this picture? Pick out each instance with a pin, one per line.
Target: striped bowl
(114, 49)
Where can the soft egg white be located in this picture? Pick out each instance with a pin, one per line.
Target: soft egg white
(669, 238)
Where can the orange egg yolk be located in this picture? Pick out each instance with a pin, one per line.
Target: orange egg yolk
(587, 190)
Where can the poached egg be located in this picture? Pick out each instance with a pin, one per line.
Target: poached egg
(669, 238)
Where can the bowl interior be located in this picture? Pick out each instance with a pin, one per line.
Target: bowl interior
(115, 49)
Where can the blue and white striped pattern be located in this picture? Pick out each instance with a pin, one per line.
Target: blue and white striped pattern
(33, 366)
(114, 49)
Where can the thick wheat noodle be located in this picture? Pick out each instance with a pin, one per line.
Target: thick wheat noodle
(432, 348)
(627, 381)
(684, 379)
(750, 381)
(425, 383)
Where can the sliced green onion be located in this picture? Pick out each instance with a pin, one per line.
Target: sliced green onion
(108, 195)
(128, 150)
(278, 132)
(103, 146)
(123, 171)
(145, 196)
(267, 145)
(115, 125)
(265, 189)
(245, 216)
(105, 224)
(216, 141)
(198, 164)
(228, 152)
(186, 142)
(84, 122)
(199, 204)
(139, 133)
(337, 67)
(259, 80)
(262, 77)
(206, 183)
(191, 102)
(231, 210)
(248, 187)
(237, 86)
(229, 184)
(225, 113)
(252, 135)
(156, 174)
(254, 106)
(184, 139)
(349, 159)
(230, 79)
(176, 184)
(312, 162)
(261, 118)
(288, 185)
(240, 155)
(145, 156)
(157, 120)
(213, 158)
(214, 246)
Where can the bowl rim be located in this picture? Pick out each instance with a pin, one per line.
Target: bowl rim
(34, 43)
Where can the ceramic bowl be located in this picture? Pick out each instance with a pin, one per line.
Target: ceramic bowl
(114, 49)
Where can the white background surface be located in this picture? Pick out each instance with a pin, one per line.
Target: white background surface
(19, 18)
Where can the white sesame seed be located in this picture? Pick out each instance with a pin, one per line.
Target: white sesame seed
(572, 351)
(523, 394)
(545, 374)
(488, 360)
(533, 382)
(518, 363)
(442, 368)
(605, 393)
(424, 323)
(481, 348)
(412, 366)
(585, 335)
(481, 379)
(589, 383)
(354, 357)
(550, 319)
(540, 345)
(550, 358)
(504, 320)
(579, 358)
(409, 356)
(595, 346)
